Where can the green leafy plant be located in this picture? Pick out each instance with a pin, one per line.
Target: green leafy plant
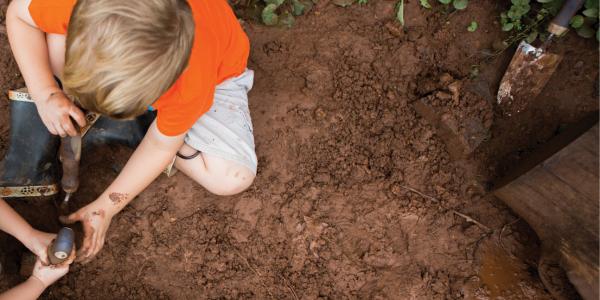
(526, 18)
(586, 23)
(425, 3)
(283, 12)
(512, 19)
(458, 4)
(473, 26)
(400, 12)
(344, 3)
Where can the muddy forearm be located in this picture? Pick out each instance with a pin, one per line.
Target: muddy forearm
(30, 50)
(147, 162)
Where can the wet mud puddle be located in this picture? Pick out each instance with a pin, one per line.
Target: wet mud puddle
(504, 276)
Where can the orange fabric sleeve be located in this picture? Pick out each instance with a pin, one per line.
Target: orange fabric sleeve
(177, 112)
(51, 16)
(220, 51)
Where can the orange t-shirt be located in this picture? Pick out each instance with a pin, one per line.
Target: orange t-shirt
(220, 51)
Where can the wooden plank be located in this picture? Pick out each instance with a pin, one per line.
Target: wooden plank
(559, 198)
(544, 199)
(577, 164)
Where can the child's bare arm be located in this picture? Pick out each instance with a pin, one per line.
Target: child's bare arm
(13, 224)
(29, 47)
(30, 289)
(147, 162)
(42, 277)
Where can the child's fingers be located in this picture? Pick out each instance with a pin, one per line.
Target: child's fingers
(88, 241)
(70, 219)
(68, 127)
(98, 246)
(51, 128)
(92, 250)
(77, 115)
(69, 260)
(60, 130)
(43, 257)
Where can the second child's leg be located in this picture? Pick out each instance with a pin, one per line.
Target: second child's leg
(217, 175)
(219, 149)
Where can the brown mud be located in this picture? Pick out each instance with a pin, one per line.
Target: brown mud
(376, 151)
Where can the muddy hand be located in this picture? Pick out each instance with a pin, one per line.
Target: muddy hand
(56, 113)
(47, 275)
(37, 242)
(95, 223)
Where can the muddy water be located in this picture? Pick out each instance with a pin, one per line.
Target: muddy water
(505, 276)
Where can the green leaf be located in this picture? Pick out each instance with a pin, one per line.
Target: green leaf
(343, 3)
(586, 32)
(532, 36)
(576, 21)
(545, 1)
(591, 4)
(474, 71)
(287, 19)
(297, 8)
(362, 2)
(508, 26)
(590, 12)
(445, 1)
(473, 26)
(460, 4)
(276, 2)
(425, 3)
(269, 17)
(400, 12)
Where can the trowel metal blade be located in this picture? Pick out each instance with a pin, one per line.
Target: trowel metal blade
(528, 72)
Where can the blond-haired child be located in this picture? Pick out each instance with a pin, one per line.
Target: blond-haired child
(185, 59)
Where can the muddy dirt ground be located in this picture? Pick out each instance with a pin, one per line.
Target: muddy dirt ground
(357, 194)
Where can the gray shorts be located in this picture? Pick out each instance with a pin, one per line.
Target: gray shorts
(225, 131)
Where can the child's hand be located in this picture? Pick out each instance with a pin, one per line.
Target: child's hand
(38, 242)
(95, 220)
(55, 112)
(47, 275)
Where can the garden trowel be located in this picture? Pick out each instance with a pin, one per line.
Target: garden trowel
(531, 67)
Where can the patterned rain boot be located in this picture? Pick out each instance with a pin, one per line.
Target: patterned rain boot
(30, 167)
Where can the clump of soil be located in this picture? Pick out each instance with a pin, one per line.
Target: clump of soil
(370, 139)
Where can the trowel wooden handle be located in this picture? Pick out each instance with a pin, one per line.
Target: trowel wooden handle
(560, 23)
(70, 155)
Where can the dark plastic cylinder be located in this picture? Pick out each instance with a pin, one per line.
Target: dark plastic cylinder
(62, 246)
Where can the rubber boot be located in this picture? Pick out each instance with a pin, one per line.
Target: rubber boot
(30, 166)
(118, 132)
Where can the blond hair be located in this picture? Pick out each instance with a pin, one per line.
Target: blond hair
(122, 55)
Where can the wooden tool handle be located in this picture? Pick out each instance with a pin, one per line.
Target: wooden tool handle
(560, 23)
(70, 155)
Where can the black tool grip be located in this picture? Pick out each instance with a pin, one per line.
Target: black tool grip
(565, 14)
